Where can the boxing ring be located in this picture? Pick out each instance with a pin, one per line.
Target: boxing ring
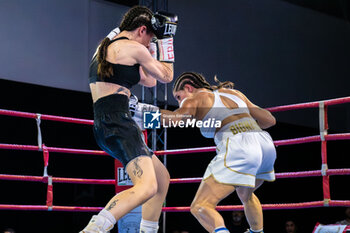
(49, 180)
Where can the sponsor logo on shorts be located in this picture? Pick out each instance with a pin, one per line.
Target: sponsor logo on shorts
(245, 126)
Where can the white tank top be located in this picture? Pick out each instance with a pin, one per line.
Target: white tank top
(219, 112)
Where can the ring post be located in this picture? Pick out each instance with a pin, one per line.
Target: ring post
(47, 179)
(40, 141)
(323, 118)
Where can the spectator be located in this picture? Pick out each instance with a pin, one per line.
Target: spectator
(180, 231)
(346, 221)
(9, 230)
(237, 222)
(291, 227)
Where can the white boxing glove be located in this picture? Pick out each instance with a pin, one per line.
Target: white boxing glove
(133, 101)
(137, 109)
(141, 108)
(113, 33)
(166, 50)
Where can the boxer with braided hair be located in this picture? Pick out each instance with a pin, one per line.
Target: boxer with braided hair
(245, 153)
(123, 60)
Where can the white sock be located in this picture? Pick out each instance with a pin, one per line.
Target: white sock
(107, 220)
(148, 226)
(221, 229)
(256, 231)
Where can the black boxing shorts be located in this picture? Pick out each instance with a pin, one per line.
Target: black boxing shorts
(115, 131)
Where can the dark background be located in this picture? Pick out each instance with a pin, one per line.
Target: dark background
(277, 52)
(39, 99)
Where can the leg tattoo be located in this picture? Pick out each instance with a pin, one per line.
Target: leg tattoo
(137, 169)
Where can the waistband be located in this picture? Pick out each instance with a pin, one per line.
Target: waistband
(243, 125)
(112, 103)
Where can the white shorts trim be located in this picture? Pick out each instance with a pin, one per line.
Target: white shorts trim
(243, 158)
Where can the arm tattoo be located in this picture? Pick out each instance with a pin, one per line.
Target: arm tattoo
(111, 206)
(137, 169)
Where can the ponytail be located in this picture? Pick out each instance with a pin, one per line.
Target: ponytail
(104, 68)
(134, 18)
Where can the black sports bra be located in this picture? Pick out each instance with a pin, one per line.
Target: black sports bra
(124, 75)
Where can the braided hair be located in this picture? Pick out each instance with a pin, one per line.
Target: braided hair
(197, 80)
(136, 17)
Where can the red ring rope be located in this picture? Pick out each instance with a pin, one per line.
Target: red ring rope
(301, 174)
(329, 137)
(318, 138)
